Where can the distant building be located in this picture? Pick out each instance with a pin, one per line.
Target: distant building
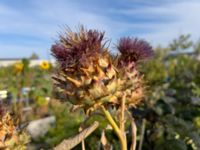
(189, 51)
(4, 62)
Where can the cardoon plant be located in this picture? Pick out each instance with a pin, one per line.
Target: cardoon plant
(89, 77)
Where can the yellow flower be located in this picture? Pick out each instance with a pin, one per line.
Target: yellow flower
(45, 65)
(197, 122)
(19, 66)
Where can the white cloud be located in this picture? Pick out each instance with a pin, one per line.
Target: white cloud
(186, 21)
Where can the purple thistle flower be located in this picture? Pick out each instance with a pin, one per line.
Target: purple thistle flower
(62, 55)
(76, 48)
(133, 49)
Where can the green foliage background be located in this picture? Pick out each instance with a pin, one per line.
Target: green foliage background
(172, 106)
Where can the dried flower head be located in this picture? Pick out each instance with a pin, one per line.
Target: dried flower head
(133, 49)
(89, 76)
(10, 138)
(86, 75)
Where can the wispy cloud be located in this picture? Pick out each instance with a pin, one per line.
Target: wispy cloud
(33, 25)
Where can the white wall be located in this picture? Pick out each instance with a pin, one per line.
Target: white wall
(5, 63)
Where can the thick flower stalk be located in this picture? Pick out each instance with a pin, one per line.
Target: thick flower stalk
(90, 77)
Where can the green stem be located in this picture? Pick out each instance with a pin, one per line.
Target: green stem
(122, 116)
(134, 131)
(116, 129)
(142, 133)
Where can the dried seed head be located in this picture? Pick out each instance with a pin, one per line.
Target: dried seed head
(10, 138)
(89, 76)
(86, 69)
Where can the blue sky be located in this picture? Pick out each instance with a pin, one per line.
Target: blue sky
(28, 26)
